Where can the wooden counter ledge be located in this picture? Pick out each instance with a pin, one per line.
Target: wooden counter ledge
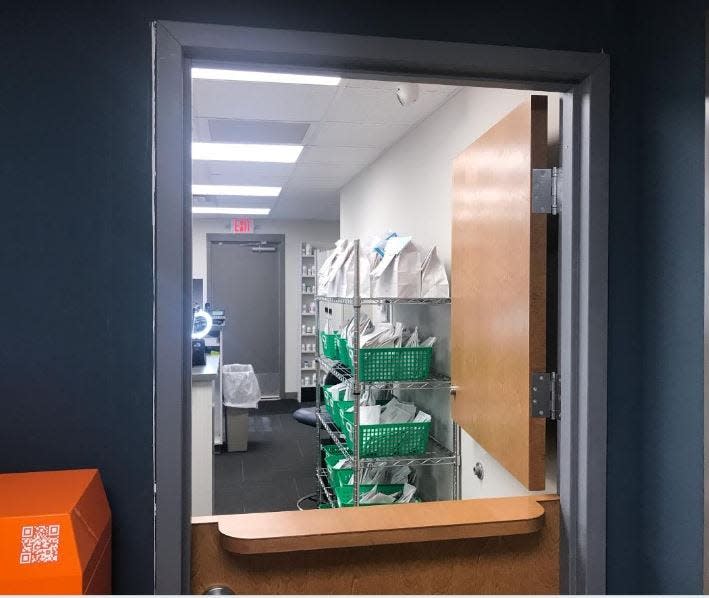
(290, 531)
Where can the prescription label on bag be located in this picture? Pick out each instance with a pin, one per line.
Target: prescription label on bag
(39, 544)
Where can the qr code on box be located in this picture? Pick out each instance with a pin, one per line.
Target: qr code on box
(40, 544)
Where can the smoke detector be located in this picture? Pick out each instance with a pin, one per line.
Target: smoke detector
(407, 93)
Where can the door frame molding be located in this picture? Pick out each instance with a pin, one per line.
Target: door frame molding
(705, 556)
(583, 81)
(269, 238)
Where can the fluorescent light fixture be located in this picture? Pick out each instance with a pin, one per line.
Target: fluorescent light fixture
(246, 152)
(231, 211)
(260, 77)
(245, 190)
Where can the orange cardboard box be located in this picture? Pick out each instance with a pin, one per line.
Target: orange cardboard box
(55, 533)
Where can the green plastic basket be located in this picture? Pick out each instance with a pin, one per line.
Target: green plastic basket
(337, 477)
(341, 407)
(337, 410)
(332, 452)
(387, 440)
(344, 352)
(345, 494)
(331, 404)
(329, 344)
(327, 399)
(392, 364)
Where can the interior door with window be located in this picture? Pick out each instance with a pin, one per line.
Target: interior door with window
(503, 325)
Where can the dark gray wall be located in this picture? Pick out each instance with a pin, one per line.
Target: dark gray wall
(76, 232)
(670, 153)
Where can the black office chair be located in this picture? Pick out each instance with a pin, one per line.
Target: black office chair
(306, 416)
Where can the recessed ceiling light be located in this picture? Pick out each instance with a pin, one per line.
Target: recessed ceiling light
(246, 152)
(246, 190)
(230, 211)
(260, 77)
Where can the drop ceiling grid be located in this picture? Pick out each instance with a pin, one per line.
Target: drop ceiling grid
(350, 126)
(312, 132)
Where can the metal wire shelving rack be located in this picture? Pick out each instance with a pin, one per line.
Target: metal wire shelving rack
(436, 453)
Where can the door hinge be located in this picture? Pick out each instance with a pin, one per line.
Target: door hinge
(545, 191)
(545, 396)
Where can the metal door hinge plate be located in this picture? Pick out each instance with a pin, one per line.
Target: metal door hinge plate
(544, 396)
(545, 196)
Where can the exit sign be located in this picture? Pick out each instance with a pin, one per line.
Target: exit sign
(242, 225)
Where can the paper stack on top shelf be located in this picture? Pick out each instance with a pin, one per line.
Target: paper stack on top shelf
(393, 266)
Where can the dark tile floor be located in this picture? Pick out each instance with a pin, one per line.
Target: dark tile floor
(275, 471)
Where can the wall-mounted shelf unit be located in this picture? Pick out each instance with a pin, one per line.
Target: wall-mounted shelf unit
(307, 335)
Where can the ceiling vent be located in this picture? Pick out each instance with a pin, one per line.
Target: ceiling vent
(225, 130)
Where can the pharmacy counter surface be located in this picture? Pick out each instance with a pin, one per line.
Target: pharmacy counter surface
(288, 531)
(206, 373)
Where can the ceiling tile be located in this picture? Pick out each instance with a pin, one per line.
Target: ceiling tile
(323, 171)
(360, 156)
(358, 134)
(308, 209)
(234, 202)
(228, 130)
(241, 173)
(301, 186)
(260, 101)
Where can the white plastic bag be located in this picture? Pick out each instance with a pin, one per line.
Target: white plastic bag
(240, 385)
(399, 272)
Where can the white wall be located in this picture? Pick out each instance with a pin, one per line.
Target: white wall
(409, 189)
(296, 232)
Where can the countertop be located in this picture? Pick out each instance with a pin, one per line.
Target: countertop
(261, 533)
(206, 373)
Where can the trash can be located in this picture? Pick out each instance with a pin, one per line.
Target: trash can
(237, 429)
(55, 533)
(241, 393)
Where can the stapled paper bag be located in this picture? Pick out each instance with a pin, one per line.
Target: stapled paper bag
(345, 277)
(434, 280)
(399, 272)
(325, 269)
(336, 269)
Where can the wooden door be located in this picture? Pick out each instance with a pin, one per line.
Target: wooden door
(500, 289)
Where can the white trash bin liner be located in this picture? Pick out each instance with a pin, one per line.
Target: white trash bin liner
(240, 386)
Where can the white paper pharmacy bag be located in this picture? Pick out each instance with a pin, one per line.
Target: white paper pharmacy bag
(346, 277)
(399, 272)
(337, 268)
(434, 280)
(324, 271)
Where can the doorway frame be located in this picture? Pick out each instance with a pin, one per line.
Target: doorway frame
(581, 78)
(705, 524)
(268, 238)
